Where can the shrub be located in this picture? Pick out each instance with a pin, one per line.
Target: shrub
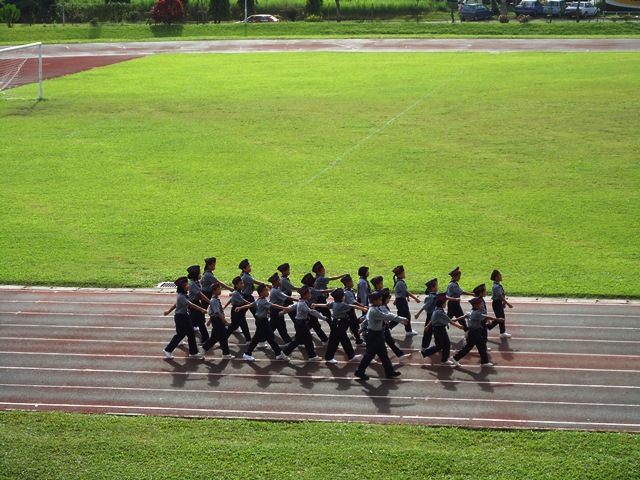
(524, 18)
(314, 18)
(220, 10)
(504, 18)
(167, 11)
(314, 7)
(94, 22)
(9, 13)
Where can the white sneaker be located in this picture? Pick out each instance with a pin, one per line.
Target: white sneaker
(197, 355)
(405, 355)
(196, 329)
(228, 356)
(447, 362)
(169, 355)
(201, 351)
(238, 330)
(182, 342)
(333, 361)
(355, 357)
(249, 358)
(455, 362)
(262, 345)
(411, 333)
(282, 356)
(505, 335)
(315, 359)
(488, 349)
(488, 364)
(373, 361)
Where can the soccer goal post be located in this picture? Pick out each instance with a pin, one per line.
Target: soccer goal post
(21, 66)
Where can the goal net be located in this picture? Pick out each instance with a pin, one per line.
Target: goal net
(21, 72)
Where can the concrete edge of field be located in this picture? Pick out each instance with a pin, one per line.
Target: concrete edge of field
(153, 290)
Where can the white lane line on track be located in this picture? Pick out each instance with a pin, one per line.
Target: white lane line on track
(320, 395)
(319, 377)
(254, 414)
(298, 362)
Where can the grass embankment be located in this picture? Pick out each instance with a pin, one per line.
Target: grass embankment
(138, 32)
(125, 175)
(62, 446)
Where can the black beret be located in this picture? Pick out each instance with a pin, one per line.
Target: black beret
(480, 288)
(337, 294)
(431, 283)
(274, 278)
(455, 271)
(398, 270)
(375, 295)
(284, 267)
(346, 279)
(316, 267)
(303, 291)
(376, 280)
(308, 279)
(243, 264)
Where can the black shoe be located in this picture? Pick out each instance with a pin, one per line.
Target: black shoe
(360, 342)
(423, 352)
(395, 374)
(362, 376)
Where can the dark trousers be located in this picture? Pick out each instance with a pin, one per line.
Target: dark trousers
(354, 326)
(314, 323)
(375, 346)
(184, 328)
(302, 337)
(338, 334)
(389, 340)
(292, 314)
(428, 333)
(239, 319)
(198, 320)
(403, 311)
(278, 323)
(474, 339)
(219, 334)
(443, 344)
(454, 310)
(498, 312)
(263, 333)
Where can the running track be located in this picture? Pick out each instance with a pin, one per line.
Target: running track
(569, 365)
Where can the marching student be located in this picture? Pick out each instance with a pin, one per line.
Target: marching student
(263, 331)
(184, 327)
(402, 295)
(321, 283)
(363, 287)
(279, 297)
(287, 287)
(475, 336)
(238, 317)
(481, 291)
(314, 295)
(197, 298)
(373, 325)
(340, 325)
(429, 306)
(388, 338)
(498, 302)
(219, 324)
(454, 292)
(248, 282)
(350, 299)
(209, 279)
(439, 322)
(303, 334)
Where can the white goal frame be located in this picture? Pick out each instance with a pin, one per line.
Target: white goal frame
(15, 51)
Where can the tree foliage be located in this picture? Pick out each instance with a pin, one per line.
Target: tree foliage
(220, 10)
(313, 7)
(9, 14)
(167, 11)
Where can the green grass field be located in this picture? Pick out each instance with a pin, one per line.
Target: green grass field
(60, 446)
(125, 175)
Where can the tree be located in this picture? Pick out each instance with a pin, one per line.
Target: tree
(9, 14)
(251, 6)
(313, 7)
(220, 10)
(167, 11)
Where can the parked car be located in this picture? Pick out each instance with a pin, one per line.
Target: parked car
(554, 8)
(261, 18)
(587, 9)
(532, 8)
(474, 11)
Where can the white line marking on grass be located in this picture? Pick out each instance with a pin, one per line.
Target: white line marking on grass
(317, 377)
(333, 416)
(380, 129)
(248, 393)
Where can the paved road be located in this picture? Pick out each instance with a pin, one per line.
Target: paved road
(568, 365)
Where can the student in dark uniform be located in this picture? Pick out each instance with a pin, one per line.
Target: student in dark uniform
(350, 299)
(238, 317)
(373, 326)
(439, 322)
(339, 325)
(309, 281)
(249, 283)
(287, 287)
(388, 338)
(429, 306)
(498, 302)
(402, 295)
(363, 287)
(263, 331)
(475, 337)
(303, 334)
(184, 327)
(219, 325)
(279, 297)
(209, 279)
(454, 292)
(196, 297)
(481, 291)
(321, 284)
